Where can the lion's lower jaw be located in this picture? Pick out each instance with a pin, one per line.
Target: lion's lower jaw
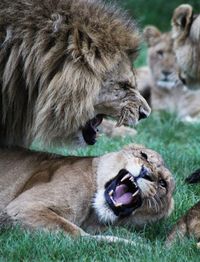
(104, 213)
(166, 85)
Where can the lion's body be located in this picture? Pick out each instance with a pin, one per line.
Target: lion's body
(66, 184)
(186, 34)
(39, 190)
(161, 77)
(188, 224)
(61, 64)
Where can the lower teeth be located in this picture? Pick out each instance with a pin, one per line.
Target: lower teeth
(135, 193)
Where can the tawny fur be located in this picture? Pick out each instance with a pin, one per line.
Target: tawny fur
(61, 63)
(189, 224)
(186, 34)
(51, 192)
(160, 77)
(109, 128)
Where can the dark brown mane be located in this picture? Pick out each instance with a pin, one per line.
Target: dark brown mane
(53, 57)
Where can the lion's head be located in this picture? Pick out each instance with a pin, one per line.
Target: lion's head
(133, 183)
(63, 66)
(161, 58)
(186, 34)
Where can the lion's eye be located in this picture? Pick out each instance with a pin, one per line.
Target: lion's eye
(160, 53)
(144, 155)
(162, 183)
(125, 85)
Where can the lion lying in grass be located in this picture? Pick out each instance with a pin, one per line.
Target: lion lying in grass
(84, 194)
(64, 65)
(161, 79)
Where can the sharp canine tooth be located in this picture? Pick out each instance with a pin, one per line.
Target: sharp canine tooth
(125, 177)
(111, 193)
(135, 193)
(118, 204)
(115, 203)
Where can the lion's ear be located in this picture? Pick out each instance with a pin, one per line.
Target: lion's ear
(151, 35)
(82, 43)
(87, 48)
(181, 20)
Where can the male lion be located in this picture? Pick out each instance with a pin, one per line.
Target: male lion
(64, 64)
(166, 90)
(186, 34)
(84, 194)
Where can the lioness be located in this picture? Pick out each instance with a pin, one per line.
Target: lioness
(186, 34)
(166, 90)
(64, 64)
(84, 194)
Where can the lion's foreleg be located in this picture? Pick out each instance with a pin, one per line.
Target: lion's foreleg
(179, 230)
(37, 216)
(112, 239)
(46, 218)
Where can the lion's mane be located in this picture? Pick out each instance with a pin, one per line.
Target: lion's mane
(53, 57)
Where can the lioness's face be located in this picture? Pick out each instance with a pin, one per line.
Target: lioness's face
(161, 58)
(186, 34)
(133, 184)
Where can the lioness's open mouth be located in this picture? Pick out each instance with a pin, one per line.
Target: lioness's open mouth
(123, 194)
(90, 130)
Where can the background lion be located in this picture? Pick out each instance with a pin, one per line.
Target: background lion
(62, 64)
(166, 91)
(40, 190)
(186, 34)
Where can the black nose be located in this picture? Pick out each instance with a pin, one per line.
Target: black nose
(142, 113)
(166, 73)
(144, 173)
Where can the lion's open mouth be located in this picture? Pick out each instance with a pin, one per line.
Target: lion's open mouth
(90, 130)
(123, 194)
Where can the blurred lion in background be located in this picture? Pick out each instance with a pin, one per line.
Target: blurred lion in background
(160, 78)
(186, 34)
(64, 65)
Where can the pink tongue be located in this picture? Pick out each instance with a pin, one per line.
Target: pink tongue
(122, 196)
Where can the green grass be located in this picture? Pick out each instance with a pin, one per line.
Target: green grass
(155, 12)
(178, 143)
